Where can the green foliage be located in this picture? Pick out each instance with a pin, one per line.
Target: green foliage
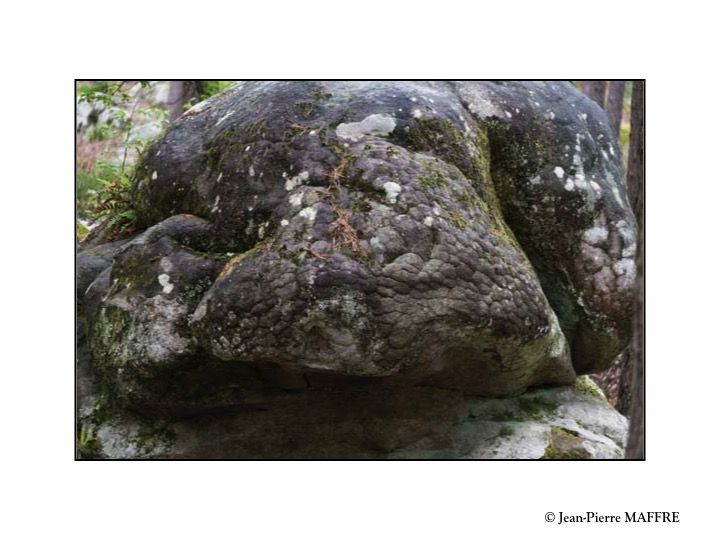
(87, 186)
(625, 141)
(115, 100)
(88, 447)
(103, 193)
(81, 231)
(104, 196)
(106, 93)
(114, 206)
(101, 132)
(208, 89)
(90, 189)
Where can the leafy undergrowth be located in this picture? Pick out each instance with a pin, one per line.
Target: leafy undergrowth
(115, 122)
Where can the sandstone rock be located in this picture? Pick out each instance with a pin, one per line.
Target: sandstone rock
(90, 262)
(398, 423)
(399, 245)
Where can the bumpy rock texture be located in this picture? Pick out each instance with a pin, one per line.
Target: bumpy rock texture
(347, 249)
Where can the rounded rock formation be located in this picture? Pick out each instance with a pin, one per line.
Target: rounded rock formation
(466, 236)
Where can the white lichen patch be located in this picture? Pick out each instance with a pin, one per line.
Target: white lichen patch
(284, 223)
(295, 181)
(625, 271)
(308, 213)
(375, 124)
(164, 280)
(577, 159)
(581, 183)
(569, 184)
(480, 101)
(626, 232)
(579, 170)
(392, 190)
(535, 180)
(223, 118)
(154, 175)
(296, 198)
(417, 113)
(262, 228)
(596, 235)
(630, 250)
(428, 221)
(559, 172)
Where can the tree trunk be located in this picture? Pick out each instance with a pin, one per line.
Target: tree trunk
(614, 106)
(181, 93)
(595, 90)
(625, 377)
(636, 159)
(636, 187)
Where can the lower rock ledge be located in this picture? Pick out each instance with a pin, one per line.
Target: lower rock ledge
(571, 422)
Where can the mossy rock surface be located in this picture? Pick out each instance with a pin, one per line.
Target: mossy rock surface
(472, 237)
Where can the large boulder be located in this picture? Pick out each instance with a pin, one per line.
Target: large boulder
(470, 237)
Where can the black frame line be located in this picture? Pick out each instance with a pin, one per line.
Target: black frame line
(644, 230)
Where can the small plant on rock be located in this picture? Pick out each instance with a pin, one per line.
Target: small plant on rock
(114, 209)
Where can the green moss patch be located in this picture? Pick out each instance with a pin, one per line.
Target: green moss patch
(536, 407)
(565, 444)
(586, 386)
